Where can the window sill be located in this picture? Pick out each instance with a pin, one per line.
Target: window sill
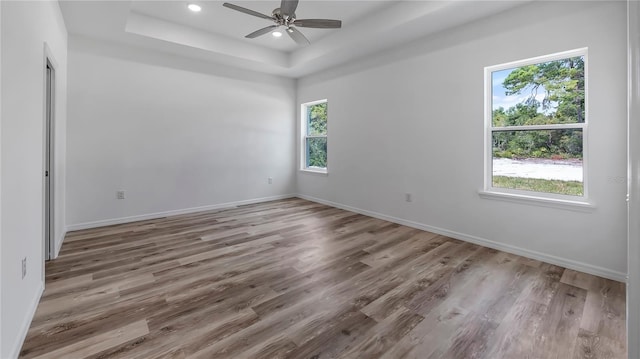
(577, 206)
(315, 172)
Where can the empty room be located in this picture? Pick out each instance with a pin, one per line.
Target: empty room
(320, 179)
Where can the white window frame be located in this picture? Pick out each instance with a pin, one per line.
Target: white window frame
(304, 135)
(540, 198)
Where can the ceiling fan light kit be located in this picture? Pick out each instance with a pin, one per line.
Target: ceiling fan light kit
(194, 7)
(285, 16)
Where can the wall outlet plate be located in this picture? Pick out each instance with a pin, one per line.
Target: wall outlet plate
(120, 194)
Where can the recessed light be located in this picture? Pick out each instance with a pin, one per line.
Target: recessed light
(276, 34)
(194, 7)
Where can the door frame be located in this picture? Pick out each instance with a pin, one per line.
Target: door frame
(49, 67)
(633, 174)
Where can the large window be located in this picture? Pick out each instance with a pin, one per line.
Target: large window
(536, 126)
(314, 136)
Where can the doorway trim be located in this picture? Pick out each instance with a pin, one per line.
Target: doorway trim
(49, 68)
(633, 192)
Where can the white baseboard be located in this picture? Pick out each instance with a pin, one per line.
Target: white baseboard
(143, 217)
(24, 328)
(543, 257)
(59, 244)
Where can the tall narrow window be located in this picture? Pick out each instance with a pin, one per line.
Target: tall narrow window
(314, 136)
(536, 125)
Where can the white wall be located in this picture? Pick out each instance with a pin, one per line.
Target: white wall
(173, 133)
(26, 26)
(633, 285)
(1, 181)
(411, 120)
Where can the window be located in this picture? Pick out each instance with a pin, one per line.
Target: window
(314, 136)
(536, 127)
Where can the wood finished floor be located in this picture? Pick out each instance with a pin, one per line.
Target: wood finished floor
(296, 279)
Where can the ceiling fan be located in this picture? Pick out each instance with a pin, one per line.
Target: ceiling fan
(285, 16)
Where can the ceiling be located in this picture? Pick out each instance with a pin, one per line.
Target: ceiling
(215, 18)
(216, 34)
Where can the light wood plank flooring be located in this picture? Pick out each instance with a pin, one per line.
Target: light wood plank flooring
(296, 279)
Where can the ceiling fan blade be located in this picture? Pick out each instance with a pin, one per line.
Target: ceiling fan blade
(288, 7)
(247, 11)
(261, 31)
(318, 23)
(297, 36)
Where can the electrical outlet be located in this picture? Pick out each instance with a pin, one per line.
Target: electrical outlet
(24, 267)
(408, 197)
(270, 180)
(120, 194)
